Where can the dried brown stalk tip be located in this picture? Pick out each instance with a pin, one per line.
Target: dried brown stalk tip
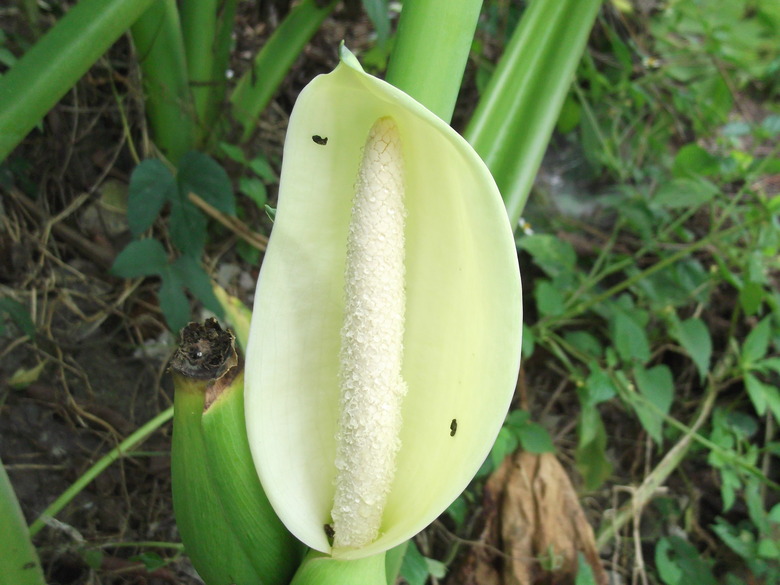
(206, 351)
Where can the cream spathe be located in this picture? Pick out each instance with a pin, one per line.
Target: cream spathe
(462, 313)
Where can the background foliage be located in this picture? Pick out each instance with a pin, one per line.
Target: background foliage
(649, 250)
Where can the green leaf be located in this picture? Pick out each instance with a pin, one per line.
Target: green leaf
(151, 185)
(93, 557)
(657, 386)
(173, 302)
(684, 193)
(255, 189)
(379, 15)
(598, 387)
(756, 344)
(192, 275)
(529, 341)
(751, 295)
(695, 338)
(585, 343)
(19, 315)
(549, 299)
(187, 227)
(590, 455)
(630, 339)
(679, 563)
(202, 175)
(584, 572)
(550, 253)
(152, 561)
(263, 169)
(755, 390)
(414, 568)
(692, 160)
(534, 438)
(141, 258)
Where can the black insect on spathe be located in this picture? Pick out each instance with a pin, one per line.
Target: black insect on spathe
(319, 140)
(329, 532)
(453, 427)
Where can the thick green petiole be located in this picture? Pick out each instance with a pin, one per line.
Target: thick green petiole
(431, 51)
(272, 63)
(54, 64)
(160, 51)
(515, 118)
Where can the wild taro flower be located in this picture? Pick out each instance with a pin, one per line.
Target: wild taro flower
(385, 340)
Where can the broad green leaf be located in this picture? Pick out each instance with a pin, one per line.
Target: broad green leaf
(414, 568)
(751, 295)
(173, 302)
(187, 227)
(692, 160)
(590, 455)
(549, 299)
(598, 387)
(141, 258)
(584, 571)
(585, 343)
(263, 169)
(684, 192)
(151, 185)
(202, 175)
(629, 339)
(192, 275)
(379, 15)
(255, 189)
(657, 386)
(756, 344)
(695, 338)
(551, 254)
(756, 390)
(534, 438)
(19, 315)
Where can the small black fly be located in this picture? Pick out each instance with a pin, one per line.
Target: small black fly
(319, 140)
(453, 427)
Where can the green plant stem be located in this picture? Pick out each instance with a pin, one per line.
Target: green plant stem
(431, 50)
(257, 86)
(19, 563)
(660, 265)
(645, 492)
(119, 451)
(55, 63)
(516, 115)
(223, 42)
(199, 32)
(160, 52)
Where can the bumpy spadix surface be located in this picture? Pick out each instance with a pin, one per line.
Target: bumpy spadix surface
(461, 332)
(372, 386)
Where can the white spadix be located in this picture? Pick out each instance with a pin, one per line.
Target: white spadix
(385, 340)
